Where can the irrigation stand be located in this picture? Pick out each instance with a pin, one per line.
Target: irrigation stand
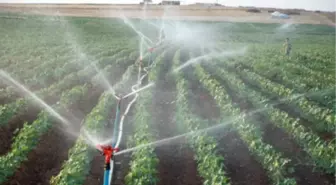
(109, 150)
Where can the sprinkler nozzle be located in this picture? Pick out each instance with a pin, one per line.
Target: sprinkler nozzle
(107, 151)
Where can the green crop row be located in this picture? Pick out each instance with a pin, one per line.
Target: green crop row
(29, 135)
(275, 164)
(322, 152)
(323, 117)
(144, 162)
(41, 78)
(7, 111)
(270, 62)
(209, 163)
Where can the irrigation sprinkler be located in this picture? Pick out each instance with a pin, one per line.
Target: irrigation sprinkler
(108, 152)
(110, 147)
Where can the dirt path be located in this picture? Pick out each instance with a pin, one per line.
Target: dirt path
(177, 165)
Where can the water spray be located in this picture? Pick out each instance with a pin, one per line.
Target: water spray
(201, 58)
(35, 98)
(110, 146)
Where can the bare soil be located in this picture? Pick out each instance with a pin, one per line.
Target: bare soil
(230, 14)
(177, 165)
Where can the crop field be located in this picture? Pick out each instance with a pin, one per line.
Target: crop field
(211, 103)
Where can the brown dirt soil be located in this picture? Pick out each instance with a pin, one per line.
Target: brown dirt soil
(7, 131)
(7, 99)
(241, 166)
(17, 123)
(177, 165)
(178, 12)
(202, 103)
(47, 158)
(280, 140)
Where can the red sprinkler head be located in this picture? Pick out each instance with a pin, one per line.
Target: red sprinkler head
(107, 151)
(151, 49)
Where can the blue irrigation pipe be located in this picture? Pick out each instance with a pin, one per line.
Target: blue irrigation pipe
(116, 123)
(108, 171)
(107, 176)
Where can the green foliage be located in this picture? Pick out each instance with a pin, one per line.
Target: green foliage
(7, 111)
(45, 56)
(144, 161)
(209, 163)
(309, 109)
(321, 152)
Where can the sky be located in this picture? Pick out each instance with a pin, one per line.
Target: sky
(324, 5)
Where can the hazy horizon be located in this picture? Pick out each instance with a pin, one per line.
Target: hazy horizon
(324, 5)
